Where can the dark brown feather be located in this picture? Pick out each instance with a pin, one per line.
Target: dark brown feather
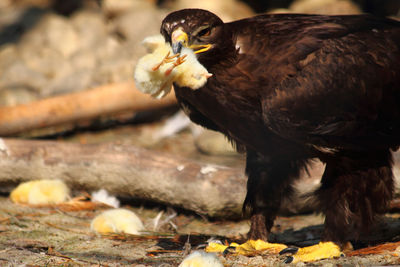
(291, 87)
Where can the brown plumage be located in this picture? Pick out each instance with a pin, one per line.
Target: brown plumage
(288, 88)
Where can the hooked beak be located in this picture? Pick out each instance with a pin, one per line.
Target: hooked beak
(180, 39)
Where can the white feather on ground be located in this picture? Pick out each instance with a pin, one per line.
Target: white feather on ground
(158, 81)
(201, 259)
(176, 123)
(117, 221)
(3, 147)
(40, 192)
(102, 196)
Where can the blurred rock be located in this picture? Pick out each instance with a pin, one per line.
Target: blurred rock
(83, 60)
(43, 59)
(8, 55)
(139, 23)
(15, 21)
(18, 75)
(115, 8)
(55, 33)
(326, 7)
(24, 3)
(64, 7)
(113, 70)
(130, 28)
(214, 143)
(18, 95)
(66, 51)
(70, 6)
(71, 80)
(91, 29)
(227, 10)
(380, 7)
(5, 3)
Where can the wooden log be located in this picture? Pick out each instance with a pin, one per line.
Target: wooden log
(128, 171)
(103, 100)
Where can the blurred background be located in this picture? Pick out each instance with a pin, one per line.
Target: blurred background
(51, 47)
(56, 47)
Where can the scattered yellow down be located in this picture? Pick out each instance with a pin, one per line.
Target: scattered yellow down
(247, 248)
(40, 192)
(117, 221)
(201, 259)
(322, 250)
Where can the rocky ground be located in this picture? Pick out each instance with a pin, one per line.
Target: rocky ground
(52, 51)
(61, 236)
(56, 237)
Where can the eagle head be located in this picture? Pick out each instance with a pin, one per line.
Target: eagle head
(197, 29)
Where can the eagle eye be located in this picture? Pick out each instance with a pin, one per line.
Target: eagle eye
(204, 32)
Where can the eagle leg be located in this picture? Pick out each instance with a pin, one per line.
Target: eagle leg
(166, 59)
(176, 63)
(268, 183)
(355, 188)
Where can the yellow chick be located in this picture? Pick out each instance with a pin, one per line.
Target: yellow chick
(117, 221)
(201, 259)
(156, 71)
(40, 192)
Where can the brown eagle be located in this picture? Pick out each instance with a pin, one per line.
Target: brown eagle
(286, 88)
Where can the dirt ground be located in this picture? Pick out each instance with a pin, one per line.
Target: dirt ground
(51, 236)
(60, 236)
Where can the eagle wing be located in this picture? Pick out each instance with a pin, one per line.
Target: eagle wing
(332, 82)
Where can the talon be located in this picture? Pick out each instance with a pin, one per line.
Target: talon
(183, 58)
(289, 259)
(168, 71)
(166, 59)
(176, 63)
(156, 67)
(291, 250)
(228, 250)
(180, 60)
(170, 59)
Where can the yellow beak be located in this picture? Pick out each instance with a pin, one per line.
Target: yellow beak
(179, 38)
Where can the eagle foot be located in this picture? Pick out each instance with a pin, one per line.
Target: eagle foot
(323, 250)
(166, 59)
(176, 60)
(176, 63)
(249, 248)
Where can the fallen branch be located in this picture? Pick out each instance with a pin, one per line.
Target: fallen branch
(129, 171)
(103, 100)
(126, 171)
